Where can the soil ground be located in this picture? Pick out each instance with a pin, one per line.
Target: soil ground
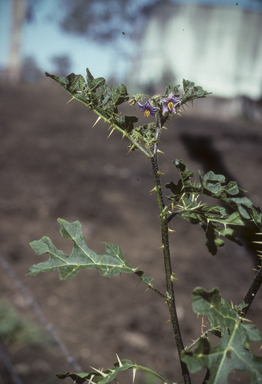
(55, 165)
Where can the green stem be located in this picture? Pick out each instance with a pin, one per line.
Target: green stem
(114, 126)
(162, 378)
(168, 266)
(215, 331)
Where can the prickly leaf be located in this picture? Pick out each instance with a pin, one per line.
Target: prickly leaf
(232, 352)
(240, 216)
(109, 264)
(104, 377)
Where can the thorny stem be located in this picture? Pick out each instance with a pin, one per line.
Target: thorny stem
(167, 259)
(248, 299)
(151, 286)
(113, 125)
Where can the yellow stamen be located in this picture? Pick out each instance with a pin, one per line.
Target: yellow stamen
(147, 113)
(170, 105)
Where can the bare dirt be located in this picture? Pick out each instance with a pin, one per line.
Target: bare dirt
(55, 165)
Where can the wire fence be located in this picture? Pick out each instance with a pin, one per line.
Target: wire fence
(43, 320)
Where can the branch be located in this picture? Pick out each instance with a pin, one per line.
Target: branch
(157, 291)
(251, 294)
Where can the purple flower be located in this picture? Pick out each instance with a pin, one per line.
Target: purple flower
(148, 109)
(170, 103)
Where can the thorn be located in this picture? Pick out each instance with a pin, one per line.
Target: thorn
(168, 321)
(146, 290)
(70, 100)
(119, 361)
(165, 128)
(153, 190)
(247, 320)
(111, 133)
(160, 151)
(171, 230)
(97, 120)
(134, 374)
(90, 380)
(160, 173)
(131, 148)
(99, 371)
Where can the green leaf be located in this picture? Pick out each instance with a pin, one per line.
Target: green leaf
(192, 92)
(127, 122)
(70, 83)
(120, 95)
(93, 83)
(214, 219)
(233, 350)
(103, 100)
(109, 264)
(174, 89)
(104, 377)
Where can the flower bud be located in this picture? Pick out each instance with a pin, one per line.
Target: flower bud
(132, 101)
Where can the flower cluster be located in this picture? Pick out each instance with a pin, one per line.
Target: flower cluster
(169, 105)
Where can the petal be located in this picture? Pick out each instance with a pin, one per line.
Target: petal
(149, 107)
(154, 109)
(165, 107)
(142, 107)
(175, 100)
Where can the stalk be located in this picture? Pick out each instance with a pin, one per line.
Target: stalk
(166, 254)
(251, 294)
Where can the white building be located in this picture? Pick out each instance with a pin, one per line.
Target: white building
(219, 48)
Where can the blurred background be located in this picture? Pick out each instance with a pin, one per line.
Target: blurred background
(140, 43)
(52, 164)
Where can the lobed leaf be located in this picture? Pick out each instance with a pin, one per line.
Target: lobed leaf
(233, 350)
(214, 219)
(192, 92)
(109, 264)
(98, 96)
(104, 377)
(71, 83)
(172, 88)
